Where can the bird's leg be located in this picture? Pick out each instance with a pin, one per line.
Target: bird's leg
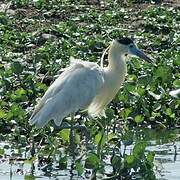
(72, 144)
(72, 137)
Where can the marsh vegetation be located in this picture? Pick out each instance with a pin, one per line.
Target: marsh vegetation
(139, 136)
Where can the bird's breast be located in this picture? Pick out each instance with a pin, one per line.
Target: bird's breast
(112, 83)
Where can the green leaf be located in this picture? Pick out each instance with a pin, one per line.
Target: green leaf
(140, 91)
(156, 106)
(2, 113)
(16, 111)
(144, 80)
(30, 161)
(20, 92)
(139, 118)
(79, 168)
(109, 113)
(177, 60)
(127, 142)
(139, 149)
(92, 161)
(29, 177)
(150, 156)
(116, 162)
(164, 73)
(1, 151)
(98, 137)
(65, 134)
(77, 137)
(130, 159)
(17, 68)
(63, 163)
(125, 112)
(130, 87)
(176, 83)
(170, 113)
(111, 136)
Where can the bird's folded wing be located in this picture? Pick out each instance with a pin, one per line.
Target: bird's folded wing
(74, 89)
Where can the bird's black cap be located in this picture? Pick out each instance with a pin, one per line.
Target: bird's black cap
(125, 41)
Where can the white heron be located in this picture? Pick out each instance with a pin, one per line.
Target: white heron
(86, 85)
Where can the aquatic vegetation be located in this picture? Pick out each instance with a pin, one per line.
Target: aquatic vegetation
(37, 39)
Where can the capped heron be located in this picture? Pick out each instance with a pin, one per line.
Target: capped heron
(86, 85)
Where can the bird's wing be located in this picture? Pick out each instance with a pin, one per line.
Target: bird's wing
(74, 89)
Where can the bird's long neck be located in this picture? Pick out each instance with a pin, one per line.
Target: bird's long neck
(114, 75)
(116, 60)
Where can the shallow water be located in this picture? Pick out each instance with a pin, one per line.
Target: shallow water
(167, 161)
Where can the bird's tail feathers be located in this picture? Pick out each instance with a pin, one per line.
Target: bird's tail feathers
(41, 117)
(58, 121)
(38, 121)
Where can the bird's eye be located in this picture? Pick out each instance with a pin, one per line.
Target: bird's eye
(131, 46)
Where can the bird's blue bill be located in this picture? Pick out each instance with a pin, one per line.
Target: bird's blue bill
(135, 51)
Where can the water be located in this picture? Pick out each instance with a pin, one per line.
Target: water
(167, 161)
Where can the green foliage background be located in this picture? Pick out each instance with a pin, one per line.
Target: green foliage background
(37, 39)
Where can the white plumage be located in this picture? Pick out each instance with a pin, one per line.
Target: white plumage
(85, 85)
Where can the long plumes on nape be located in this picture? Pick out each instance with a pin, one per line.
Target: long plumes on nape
(102, 57)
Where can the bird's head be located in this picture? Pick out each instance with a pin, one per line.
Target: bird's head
(128, 47)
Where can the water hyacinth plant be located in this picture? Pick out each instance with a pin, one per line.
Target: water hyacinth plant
(37, 39)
